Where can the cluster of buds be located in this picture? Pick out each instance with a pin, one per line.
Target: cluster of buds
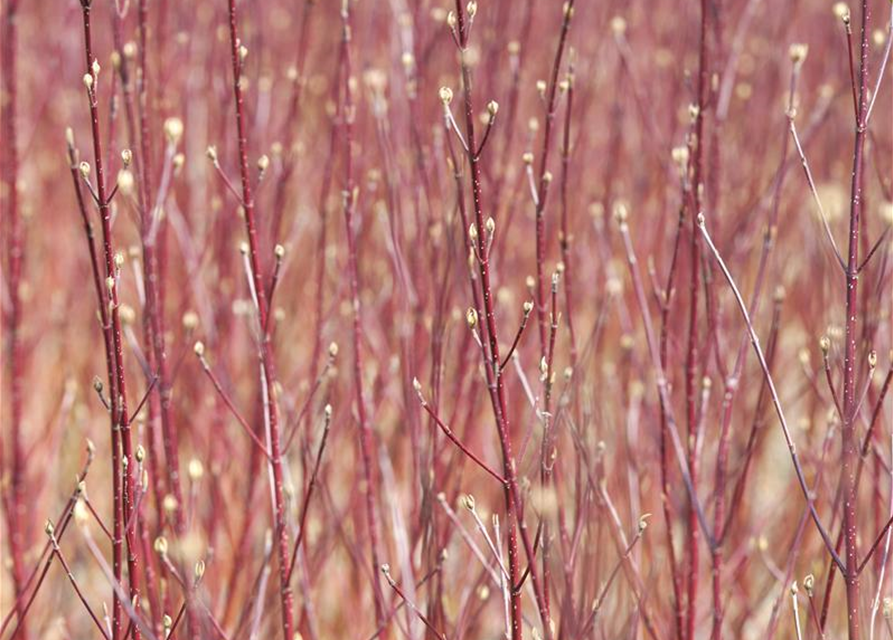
(91, 77)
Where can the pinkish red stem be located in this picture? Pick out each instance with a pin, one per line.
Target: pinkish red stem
(348, 112)
(123, 462)
(15, 509)
(266, 351)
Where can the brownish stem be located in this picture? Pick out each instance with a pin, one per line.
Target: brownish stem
(849, 440)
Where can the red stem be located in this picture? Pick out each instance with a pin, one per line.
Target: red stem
(565, 237)
(514, 504)
(266, 352)
(666, 301)
(544, 180)
(16, 511)
(348, 113)
(691, 360)
(121, 424)
(732, 382)
(60, 526)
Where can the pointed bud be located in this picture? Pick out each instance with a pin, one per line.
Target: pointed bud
(471, 317)
(173, 130)
(798, 52)
(196, 470)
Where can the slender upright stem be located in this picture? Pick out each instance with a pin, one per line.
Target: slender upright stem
(565, 236)
(850, 441)
(265, 347)
(348, 113)
(691, 358)
(514, 505)
(732, 381)
(15, 508)
(545, 178)
(123, 461)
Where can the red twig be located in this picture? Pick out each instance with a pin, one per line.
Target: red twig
(16, 510)
(691, 359)
(349, 195)
(120, 417)
(849, 440)
(772, 390)
(544, 178)
(305, 503)
(238, 50)
(57, 552)
(514, 504)
(199, 349)
(387, 574)
(565, 236)
(453, 438)
(60, 525)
